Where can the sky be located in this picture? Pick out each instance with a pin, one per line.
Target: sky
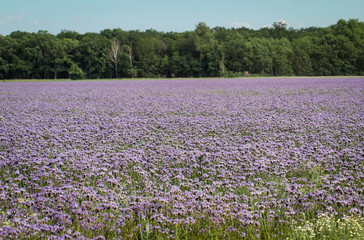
(170, 15)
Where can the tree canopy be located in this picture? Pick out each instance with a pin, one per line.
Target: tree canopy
(204, 52)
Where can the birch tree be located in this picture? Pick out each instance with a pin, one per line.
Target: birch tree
(114, 54)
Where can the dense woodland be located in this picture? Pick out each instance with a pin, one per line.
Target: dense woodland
(204, 52)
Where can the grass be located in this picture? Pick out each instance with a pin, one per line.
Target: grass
(127, 79)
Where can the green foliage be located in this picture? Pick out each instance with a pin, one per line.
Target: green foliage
(301, 60)
(76, 73)
(204, 52)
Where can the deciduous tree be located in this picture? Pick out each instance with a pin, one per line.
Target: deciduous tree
(114, 54)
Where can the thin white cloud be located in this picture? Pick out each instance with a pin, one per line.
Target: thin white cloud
(282, 21)
(40, 23)
(11, 18)
(241, 24)
(155, 27)
(34, 22)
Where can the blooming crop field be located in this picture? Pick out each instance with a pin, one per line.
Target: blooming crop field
(182, 159)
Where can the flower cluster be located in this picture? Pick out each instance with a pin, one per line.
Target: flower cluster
(329, 227)
(179, 158)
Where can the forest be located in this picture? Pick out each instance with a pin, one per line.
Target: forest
(204, 52)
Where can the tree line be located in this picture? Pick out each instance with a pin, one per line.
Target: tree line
(204, 52)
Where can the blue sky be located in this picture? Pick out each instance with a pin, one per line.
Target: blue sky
(170, 15)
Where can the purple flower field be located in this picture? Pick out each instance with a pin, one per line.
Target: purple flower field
(180, 159)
